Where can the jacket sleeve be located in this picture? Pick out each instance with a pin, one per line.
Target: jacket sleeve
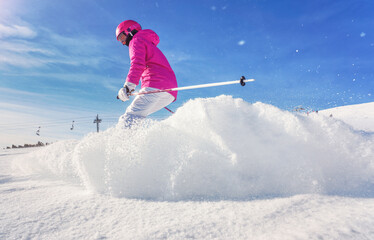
(137, 52)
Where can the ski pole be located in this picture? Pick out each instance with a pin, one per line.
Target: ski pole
(242, 82)
(169, 110)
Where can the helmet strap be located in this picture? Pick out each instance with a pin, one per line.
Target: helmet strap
(130, 35)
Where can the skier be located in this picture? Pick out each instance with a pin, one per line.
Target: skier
(150, 65)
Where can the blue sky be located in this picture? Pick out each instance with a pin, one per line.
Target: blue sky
(60, 61)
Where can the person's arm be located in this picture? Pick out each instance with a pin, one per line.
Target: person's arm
(137, 52)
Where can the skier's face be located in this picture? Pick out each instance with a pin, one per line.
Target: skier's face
(122, 38)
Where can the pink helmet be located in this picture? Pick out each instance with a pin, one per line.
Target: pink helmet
(127, 26)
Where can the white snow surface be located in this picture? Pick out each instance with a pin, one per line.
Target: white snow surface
(219, 168)
(360, 116)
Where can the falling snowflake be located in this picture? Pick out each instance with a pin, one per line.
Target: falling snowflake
(241, 43)
(362, 34)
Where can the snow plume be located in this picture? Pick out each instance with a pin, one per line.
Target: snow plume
(216, 148)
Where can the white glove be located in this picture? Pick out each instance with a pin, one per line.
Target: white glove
(124, 93)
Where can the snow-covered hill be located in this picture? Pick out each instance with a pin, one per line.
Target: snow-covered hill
(359, 116)
(219, 168)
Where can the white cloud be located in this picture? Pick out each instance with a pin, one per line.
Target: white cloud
(52, 48)
(23, 47)
(176, 57)
(241, 43)
(112, 86)
(16, 31)
(24, 61)
(4, 91)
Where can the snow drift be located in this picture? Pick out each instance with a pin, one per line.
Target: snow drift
(215, 148)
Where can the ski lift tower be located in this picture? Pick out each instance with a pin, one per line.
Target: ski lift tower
(97, 121)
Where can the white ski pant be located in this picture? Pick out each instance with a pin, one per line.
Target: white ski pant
(144, 105)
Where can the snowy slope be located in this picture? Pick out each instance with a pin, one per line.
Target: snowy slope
(219, 168)
(359, 116)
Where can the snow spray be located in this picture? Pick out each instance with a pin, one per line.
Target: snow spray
(215, 148)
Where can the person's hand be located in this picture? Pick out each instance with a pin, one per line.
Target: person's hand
(125, 92)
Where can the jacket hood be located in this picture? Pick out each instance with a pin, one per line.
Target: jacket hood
(149, 35)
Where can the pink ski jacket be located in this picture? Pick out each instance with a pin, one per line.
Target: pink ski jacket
(149, 64)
